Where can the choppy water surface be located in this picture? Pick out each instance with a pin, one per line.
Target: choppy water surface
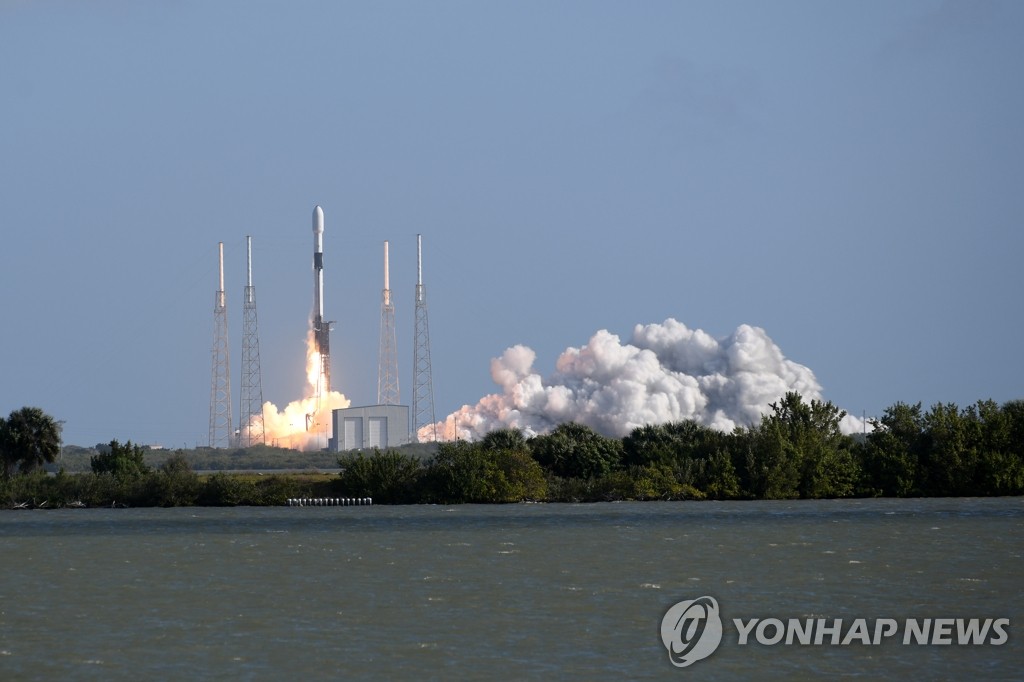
(497, 592)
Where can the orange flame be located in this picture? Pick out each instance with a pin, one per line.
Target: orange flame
(304, 424)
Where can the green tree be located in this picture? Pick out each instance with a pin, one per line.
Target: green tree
(518, 477)
(650, 444)
(892, 458)
(124, 462)
(1004, 473)
(799, 451)
(174, 484)
(1014, 413)
(700, 456)
(1000, 466)
(504, 439)
(29, 438)
(388, 477)
(459, 472)
(772, 463)
(715, 476)
(953, 438)
(467, 472)
(670, 443)
(659, 482)
(222, 490)
(576, 451)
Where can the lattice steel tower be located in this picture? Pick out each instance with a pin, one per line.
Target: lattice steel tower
(220, 381)
(422, 382)
(250, 404)
(387, 362)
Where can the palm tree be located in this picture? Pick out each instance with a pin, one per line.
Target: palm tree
(29, 438)
(504, 439)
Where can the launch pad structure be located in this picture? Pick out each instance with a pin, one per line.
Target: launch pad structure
(387, 360)
(251, 426)
(221, 423)
(422, 375)
(386, 423)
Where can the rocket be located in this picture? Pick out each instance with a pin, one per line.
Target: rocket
(321, 327)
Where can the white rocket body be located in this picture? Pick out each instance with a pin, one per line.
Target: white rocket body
(321, 328)
(318, 264)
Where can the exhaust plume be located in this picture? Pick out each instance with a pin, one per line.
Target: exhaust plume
(304, 424)
(666, 373)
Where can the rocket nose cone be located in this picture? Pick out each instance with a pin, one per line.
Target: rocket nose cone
(318, 220)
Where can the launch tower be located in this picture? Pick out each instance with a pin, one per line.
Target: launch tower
(250, 428)
(422, 381)
(220, 381)
(387, 362)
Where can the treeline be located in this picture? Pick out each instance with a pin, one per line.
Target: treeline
(120, 477)
(796, 451)
(77, 459)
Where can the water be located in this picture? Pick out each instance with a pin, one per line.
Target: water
(497, 592)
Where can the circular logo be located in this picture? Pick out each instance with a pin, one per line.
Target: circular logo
(691, 630)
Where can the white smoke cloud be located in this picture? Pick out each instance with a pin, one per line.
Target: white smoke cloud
(666, 373)
(303, 424)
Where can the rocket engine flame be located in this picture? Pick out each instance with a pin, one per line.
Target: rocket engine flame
(304, 424)
(666, 373)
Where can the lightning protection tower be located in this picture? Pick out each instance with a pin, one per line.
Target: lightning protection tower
(220, 381)
(387, 362)
(422, 381)
(250, 426)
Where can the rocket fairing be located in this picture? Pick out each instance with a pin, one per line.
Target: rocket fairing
(321, 328)
(318, 263)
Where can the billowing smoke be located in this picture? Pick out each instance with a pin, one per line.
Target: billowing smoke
(304, 424)
(665, 373)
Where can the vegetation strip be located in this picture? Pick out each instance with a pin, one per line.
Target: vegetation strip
(796, 451)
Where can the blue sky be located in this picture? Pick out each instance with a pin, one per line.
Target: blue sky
(845, 175)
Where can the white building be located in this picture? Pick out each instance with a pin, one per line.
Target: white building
(373, 426)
